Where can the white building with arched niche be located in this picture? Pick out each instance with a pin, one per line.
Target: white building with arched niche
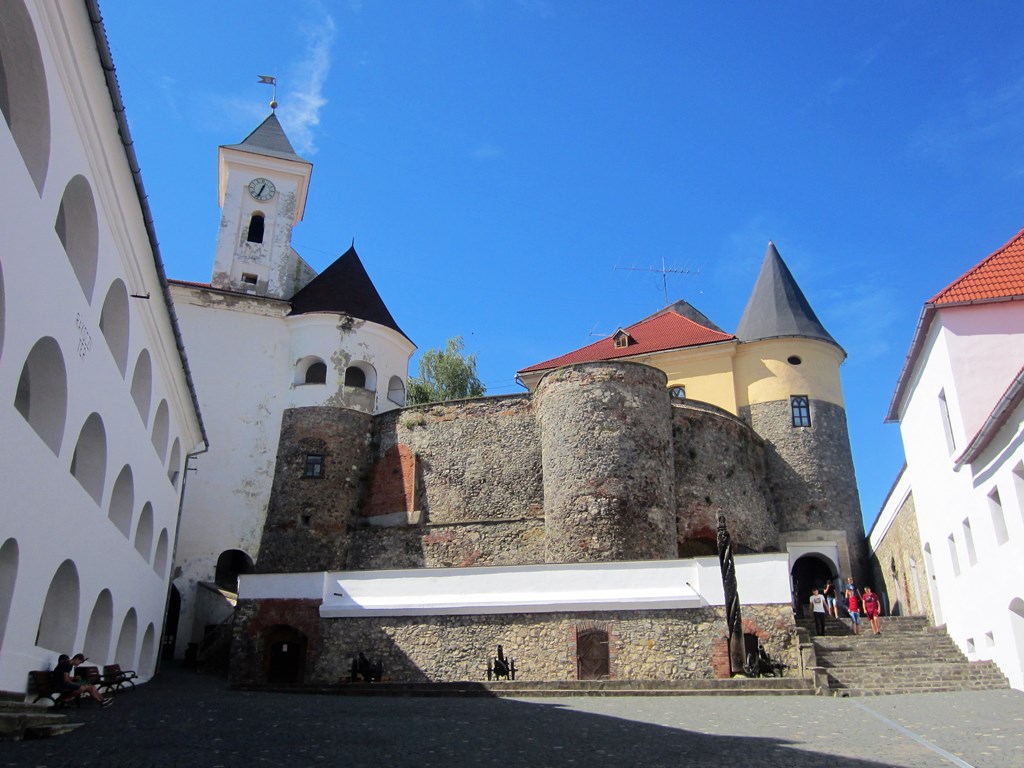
(267, 333)
(97, 407)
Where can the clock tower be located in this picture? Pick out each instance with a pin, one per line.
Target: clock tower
(262, 189)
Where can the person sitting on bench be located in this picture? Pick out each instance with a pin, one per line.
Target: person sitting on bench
(68, 686)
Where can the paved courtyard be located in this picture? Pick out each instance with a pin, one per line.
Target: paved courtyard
(186, 719)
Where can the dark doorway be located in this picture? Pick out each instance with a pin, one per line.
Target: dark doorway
(592, 654)
(231, 564)
(809, 572)
(171, 625)
(285, 655)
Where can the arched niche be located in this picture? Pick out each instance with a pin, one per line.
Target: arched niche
(160, 556)
(114, 323)
(310, 370)
(8, 578)
(24, 99)
(142, 384)
(144, 532)
(77, 227)
(3, 313)
(42, 394)
(58, 622)
(361, 375)
(396, 390)
(161, 430)
(126, 641)
(174, 463)
(147, 653)
(100, 628)
(89, 461)
(122, 501)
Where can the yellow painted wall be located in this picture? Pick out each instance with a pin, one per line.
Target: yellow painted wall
(763, 375)
(706, 372)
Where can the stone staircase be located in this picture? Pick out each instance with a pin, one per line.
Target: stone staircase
(20, 720)
(909, 656)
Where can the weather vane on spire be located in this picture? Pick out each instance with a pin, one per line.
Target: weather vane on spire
(268, 80)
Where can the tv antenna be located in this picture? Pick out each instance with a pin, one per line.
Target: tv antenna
(664, 272)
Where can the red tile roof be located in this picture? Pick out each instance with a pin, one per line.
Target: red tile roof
(655, 334)
(999, 276)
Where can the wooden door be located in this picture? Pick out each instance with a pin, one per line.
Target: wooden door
(592, 655)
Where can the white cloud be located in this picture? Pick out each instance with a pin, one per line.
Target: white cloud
(303, 96)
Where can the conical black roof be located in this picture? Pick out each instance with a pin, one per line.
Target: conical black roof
(344, 287)
(268, 139)
(777, 307)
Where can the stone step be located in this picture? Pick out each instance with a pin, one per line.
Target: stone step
(15, 726)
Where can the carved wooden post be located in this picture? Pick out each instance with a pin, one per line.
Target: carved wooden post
(733, 619)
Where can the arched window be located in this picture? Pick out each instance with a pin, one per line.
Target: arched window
(396, 391)
(89, 461)
(126, 639)
(122, 501)
(58, 623)
(78, 229)
(255, 233)
(42, 394)
(161, 428)
(142, 385)
(24, 100)
(355, 377)
(101, 625)
(231, 564)
(316, 373)
(174, 463)
(114, 323)
(160, 557)
(8, 577)
(144, 532)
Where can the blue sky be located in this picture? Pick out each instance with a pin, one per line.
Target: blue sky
(499, 161)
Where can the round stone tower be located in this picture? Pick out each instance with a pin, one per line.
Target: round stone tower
(607, 456)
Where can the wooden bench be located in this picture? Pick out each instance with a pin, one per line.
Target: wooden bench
(91, 675)
(117, 679)
(41, 682)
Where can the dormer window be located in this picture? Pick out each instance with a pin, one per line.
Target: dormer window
(255, 234)
(622, 339)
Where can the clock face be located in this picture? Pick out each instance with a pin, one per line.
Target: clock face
(262, 189)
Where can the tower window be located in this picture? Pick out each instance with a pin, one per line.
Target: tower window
(800, 407)
(255, 234)
(314, 465)
(316, 373)
(248, 278)
(355, 377)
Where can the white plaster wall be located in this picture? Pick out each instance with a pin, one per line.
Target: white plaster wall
(976, 601)
(45, 509)
(529, 588)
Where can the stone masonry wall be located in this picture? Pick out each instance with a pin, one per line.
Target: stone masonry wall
(904, 588)
(606, 436)
(643, 645)
(811, 477)
(308, 517)
(720, 467)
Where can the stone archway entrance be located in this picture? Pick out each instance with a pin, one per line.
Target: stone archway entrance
(284, 654)
(810, 571)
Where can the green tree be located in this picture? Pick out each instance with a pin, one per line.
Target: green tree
(445, 374)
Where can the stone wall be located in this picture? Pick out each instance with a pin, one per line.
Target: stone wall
(606, 436)
(811, 479)
(719, 467)
(643, 645)
(897, 566)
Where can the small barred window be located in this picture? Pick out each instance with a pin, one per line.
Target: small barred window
(314, 465)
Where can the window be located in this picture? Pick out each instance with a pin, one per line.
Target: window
(972, 555)
(995, 506)
(970, 646)
(954, 558)
(793, 360)
(678, 392)
(947, 425)
(800, 406)
(622, 339)
(1018, 486)
(317, 373)
(314, 465)
(355, 377)
(255, 233)
(249, 278)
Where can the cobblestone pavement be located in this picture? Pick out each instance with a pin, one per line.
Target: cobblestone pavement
(185, 719)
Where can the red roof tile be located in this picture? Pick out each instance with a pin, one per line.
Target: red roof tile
(999, 276)
(655, 334)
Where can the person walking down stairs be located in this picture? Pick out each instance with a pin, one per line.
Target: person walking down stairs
(872, 609)
(853, 608)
